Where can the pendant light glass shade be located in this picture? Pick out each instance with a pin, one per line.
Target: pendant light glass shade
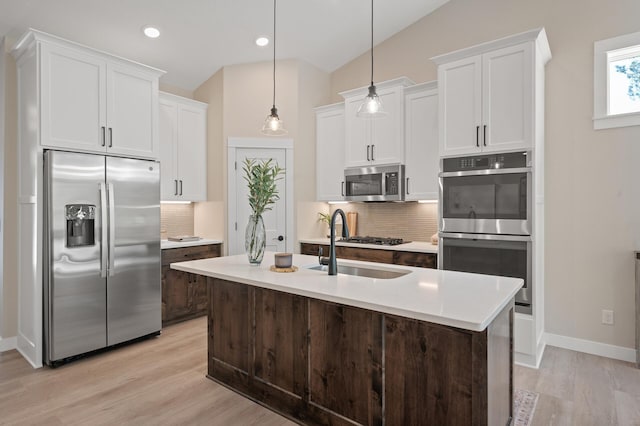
(371, 106)
(273, 126)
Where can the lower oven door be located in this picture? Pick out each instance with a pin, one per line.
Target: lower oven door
(504, 255)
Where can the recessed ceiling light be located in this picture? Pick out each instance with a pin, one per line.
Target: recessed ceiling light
(151, 32)
(262, 41)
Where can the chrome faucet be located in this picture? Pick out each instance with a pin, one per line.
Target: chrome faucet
(333, 265)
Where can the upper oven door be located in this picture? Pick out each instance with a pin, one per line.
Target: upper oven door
(488, 201)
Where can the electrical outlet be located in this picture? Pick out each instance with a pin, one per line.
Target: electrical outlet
(607, 317)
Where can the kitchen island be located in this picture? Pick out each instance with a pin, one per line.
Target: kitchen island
(429, 347)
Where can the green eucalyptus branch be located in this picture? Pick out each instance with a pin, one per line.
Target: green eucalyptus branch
(261, 177)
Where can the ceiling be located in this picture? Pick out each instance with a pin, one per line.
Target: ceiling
(198, 37)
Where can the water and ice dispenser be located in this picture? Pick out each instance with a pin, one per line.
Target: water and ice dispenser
(80, 224)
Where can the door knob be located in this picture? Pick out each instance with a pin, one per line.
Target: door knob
(279, 238)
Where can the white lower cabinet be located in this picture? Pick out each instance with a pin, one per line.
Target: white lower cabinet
(183, 149)
(330, 152)
(421, 142)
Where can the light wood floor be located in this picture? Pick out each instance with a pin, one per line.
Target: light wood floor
(161, 382)
(580, 389)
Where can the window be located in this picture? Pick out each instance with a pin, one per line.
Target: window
(617, 82)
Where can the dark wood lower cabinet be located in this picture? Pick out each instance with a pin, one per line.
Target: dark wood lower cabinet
(184, 295)
(323, 363)
(397, 257)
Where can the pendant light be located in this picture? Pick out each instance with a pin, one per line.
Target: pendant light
(371, 106)
(272, 124)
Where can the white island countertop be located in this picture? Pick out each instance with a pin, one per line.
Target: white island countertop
(456, 299)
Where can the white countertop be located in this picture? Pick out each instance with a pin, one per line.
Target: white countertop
(416, 246)
(166, 244)
(457, 299)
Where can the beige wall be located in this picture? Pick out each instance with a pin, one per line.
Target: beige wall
(239, 98)
(209, 216)
(9, 308)
(592, 178)
(176, 90)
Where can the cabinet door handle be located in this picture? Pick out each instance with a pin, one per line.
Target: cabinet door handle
(484, 135)
(478, 136)
(175, 192)
(104, 136)
(342, 188)
(110, 137)
(368, 159)
(372, 159)
(180, 186)
(407, 186)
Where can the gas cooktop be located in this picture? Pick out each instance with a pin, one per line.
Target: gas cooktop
(374, 240)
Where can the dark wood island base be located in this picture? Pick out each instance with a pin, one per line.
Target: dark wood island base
(323, 363)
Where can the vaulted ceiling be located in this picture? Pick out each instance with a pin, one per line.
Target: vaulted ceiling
(198, 37)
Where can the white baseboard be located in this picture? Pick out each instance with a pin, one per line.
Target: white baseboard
(531, 360)
(591, 347)
(8, 343)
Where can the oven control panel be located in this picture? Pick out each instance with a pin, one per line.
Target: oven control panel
(510, 160)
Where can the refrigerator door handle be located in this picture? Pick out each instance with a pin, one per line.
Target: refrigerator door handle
(112, 228)
(103, 227)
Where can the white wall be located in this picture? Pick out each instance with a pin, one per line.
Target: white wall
(592, 187)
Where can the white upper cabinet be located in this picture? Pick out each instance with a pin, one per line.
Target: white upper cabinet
(330, 151)
(73, 85)
(93, 102)
(132, 112)
(421, 142)
(375, 141)
(183, 149)
(487, 95)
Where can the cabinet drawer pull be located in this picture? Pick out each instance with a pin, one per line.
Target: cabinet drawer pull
(484, 135)
(368, 159)
(342, 188)
(175, 192)
(407, 186)
(180, 187)
(478, 136)
(104, 136)
(372, 147)
(110, 137)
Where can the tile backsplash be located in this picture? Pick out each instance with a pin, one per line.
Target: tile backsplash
(409, 221)
(176, 219)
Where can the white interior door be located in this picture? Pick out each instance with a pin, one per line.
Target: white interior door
(275, 220)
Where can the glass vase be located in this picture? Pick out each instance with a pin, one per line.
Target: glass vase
(255, 239)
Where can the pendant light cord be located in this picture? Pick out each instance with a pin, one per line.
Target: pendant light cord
(274, 53)
(371, 42)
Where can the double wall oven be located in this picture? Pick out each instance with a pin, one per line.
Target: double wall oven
(485, 217)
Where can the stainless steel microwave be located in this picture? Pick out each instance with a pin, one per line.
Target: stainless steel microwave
(375, 183)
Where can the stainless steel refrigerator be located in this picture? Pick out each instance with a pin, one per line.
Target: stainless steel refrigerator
(102, 252)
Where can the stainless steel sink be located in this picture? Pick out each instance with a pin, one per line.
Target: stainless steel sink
(385, 274)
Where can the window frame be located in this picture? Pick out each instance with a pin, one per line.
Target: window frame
(606, 51)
